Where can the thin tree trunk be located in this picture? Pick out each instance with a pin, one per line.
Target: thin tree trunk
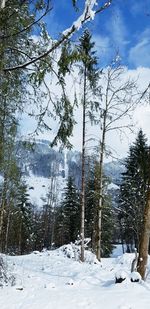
(99, 231)
(3, 201)
(7, 230)
(20, 237)
(53, 208)
(144, 240)
(1, 222)
(83, 173)
(102, 148)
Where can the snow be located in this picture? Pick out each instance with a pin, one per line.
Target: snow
(1, 179)
(88, 12)
(39, 187)
(113, 186)
(51, 280)
(135, 276)
(117, 251)
(121, 274)
(2, 4)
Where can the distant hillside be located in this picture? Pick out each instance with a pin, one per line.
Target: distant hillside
(41, 163)
(114, 170)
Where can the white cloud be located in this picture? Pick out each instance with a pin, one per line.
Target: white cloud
(119, 144)
(139, 55)
(102, 43)
(103, 47)
(118, 31)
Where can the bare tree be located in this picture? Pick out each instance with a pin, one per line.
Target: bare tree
(118, 98)
(146, 94)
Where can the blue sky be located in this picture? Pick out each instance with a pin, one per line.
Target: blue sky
(124, 27)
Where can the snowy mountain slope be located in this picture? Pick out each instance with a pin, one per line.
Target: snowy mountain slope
(39, 189)
(43, 164)
(50, 280)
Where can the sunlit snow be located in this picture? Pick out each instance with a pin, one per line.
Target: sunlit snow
(51, 280)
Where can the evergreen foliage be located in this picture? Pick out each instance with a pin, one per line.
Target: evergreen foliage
(91, 211)
(69, 214)
(89, 73)
(133, 191)
(88, 66)
(19, 21)
(23, 220)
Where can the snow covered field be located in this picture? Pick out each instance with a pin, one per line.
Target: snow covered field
(51, 280)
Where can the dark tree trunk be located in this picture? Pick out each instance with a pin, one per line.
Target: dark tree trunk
(83, 173)
(144, 240)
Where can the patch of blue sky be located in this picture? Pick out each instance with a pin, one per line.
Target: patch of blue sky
(123, 28)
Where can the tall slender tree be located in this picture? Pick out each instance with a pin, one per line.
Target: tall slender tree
(133, 191)
(91, 210)
(117, 102)
(90, 77)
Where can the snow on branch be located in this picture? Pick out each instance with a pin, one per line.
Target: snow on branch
(2, 4)
(89, 13)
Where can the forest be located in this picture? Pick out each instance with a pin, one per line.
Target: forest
(56, 81)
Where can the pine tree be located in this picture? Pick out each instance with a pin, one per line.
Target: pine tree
(19, 50)
(11, 178)
(90, 76)
(133, 191)
(23, 219)
(107, 226)
(70, 212)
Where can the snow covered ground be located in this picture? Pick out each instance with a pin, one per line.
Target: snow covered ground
(51, 280)
(39, 188)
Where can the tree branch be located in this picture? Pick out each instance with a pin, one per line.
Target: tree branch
(47, 10)
(64, 37)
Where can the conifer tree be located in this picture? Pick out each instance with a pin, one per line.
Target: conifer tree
(90, 77)
(133, 190)
(23, 220)
(70, 212)
(24, 61)
(11, 176)
(90, 207)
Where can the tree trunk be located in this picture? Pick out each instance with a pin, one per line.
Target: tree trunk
(99, 226)
(1, 222)
(53, 206)
(144, 240)
(2, 208)
(83, 173)
(7, 230)
(99, 231)
(20, 238)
